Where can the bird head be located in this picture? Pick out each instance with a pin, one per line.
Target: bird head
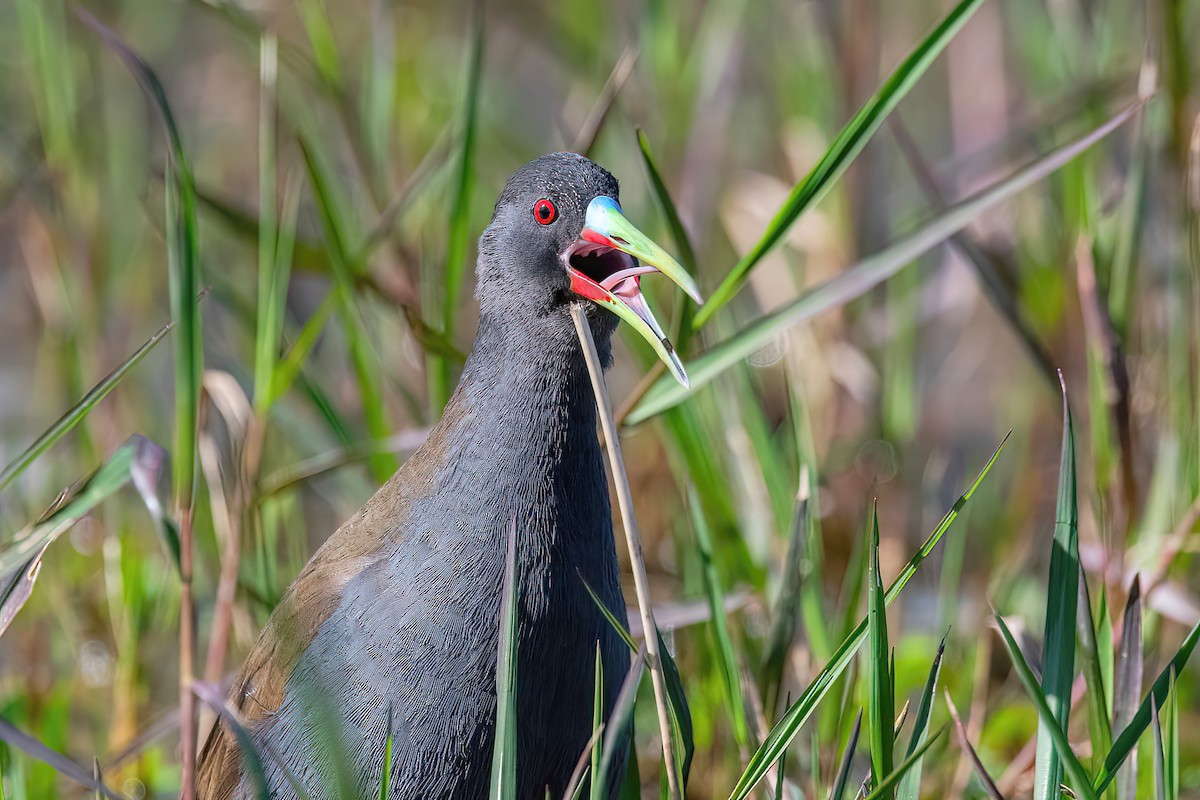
(558, 234)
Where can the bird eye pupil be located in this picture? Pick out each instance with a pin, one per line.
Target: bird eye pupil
(544, 211)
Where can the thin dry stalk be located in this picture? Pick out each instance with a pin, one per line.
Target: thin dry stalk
(968, 751)
(585, 140)
(187, 647)
(1173, 545)
(983, 658)
(633, 540)
(32, 747)
(223, 395)
(752, 701)
(988, 267)
(581, 766)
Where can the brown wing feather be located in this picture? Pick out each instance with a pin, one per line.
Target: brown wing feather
(258, 689)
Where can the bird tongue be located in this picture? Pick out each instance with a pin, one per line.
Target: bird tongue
(627, 288)
(630, 291)
(620, 276)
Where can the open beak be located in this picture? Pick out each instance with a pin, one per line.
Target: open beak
(606, 265)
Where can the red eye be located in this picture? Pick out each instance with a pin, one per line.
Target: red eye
(544, 212)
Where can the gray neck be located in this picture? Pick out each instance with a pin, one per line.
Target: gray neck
(525, 443)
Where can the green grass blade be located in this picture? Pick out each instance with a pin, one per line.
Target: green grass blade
(576, 787)
(787, 608)
(1058, 660)
(378, 106)
(504, 748)
(288, 369)
(310, 254)
(631, 787)
(271, 291)
(183, 265)
(862, 277)
(44, 36)
(460, 212)
(268, 318)
(320, 37)
(1160, 761)
(812, 601)
(20, 558)
(1049, 721)
(267, 364)
(620, 722)
(881, 704)
(184, 286)
(845, 148)
(1099, 726)
(427, 173)
(612, 619)
(681, 714)
(385, 775)
(320, 401)
(781, 736)
(910, 785)
(597, 723)
(884, 788)
(705, 467)
(1171, 746)
(1105, 650)
(727, 660)
(781, 773)
(77, 412)
(683, 243)
(1127, 687)
(843, 772)
(1130, 225)
(334, 216)
(1127, 739)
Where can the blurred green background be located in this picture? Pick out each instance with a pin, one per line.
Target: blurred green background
(384, 156)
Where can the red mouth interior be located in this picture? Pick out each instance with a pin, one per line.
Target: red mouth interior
(611, 269)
